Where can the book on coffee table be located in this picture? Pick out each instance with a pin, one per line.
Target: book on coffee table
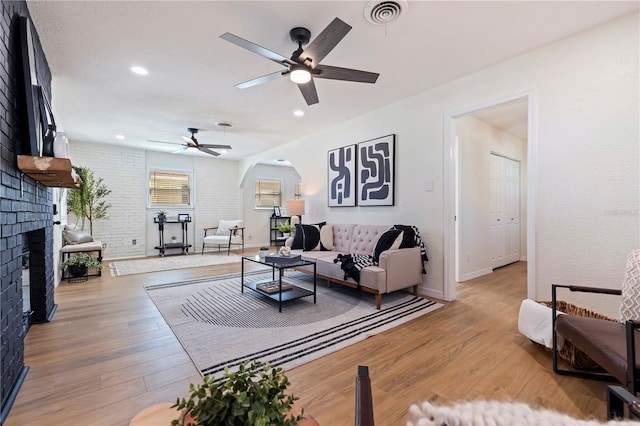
(283, 260)
(273, 287)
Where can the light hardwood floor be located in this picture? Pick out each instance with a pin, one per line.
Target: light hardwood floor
(109, 354)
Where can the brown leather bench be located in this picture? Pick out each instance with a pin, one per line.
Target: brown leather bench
(609, 344)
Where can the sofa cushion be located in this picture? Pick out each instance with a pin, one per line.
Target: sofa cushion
(342, 237)
(364, 238)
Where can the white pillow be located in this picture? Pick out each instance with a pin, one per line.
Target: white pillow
(225, 225)
(630, 303)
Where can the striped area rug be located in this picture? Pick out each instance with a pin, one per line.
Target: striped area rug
(221, 327)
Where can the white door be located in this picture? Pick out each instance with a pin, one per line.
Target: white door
(505, 210)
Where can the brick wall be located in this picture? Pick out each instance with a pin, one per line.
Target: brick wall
(124, 171)
(21, 210)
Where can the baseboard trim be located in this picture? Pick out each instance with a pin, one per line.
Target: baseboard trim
(13, 394)
(429, 292)
(475, 274)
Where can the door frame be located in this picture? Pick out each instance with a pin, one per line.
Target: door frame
(451, 192)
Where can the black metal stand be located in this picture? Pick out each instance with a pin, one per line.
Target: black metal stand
(183, 245)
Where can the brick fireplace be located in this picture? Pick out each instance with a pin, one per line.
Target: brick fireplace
(26, 212)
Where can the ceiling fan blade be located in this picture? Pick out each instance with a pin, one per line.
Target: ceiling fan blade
(171, 143)
(325, 42)
(309, 92)
(264, 52)
(208, 145)
(261, 80)
(208, 151)
(346, 74)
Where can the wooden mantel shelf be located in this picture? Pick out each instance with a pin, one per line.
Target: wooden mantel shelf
(49, 171)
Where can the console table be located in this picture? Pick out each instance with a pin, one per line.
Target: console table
(182, 245)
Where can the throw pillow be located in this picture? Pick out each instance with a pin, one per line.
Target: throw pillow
(630, 303)
(75, 236)
(314, 238)
(390, 239)
(298, 238)
(224, 227)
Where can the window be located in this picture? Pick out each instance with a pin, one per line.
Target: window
(297, 191)
(268, 193)
(169, 188)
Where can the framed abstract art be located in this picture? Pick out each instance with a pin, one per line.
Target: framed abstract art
(341, 168)
(376, 171)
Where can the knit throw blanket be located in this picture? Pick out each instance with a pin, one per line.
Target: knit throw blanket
(495, 413)
(408, 235)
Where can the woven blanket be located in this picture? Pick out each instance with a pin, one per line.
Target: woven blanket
(353, 263)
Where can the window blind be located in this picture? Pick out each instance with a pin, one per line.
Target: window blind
(268, 193)
(169, 188)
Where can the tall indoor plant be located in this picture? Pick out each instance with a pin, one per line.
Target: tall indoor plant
(88, 202)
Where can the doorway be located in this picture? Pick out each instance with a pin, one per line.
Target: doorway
(482, 232)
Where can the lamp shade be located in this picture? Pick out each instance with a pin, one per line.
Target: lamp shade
(295, 207)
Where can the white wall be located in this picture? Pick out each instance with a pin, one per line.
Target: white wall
(257, 220)
(476, 141)
(586, 164)
(124, 171)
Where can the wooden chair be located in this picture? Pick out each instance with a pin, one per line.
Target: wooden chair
(227, 233)
(364, 400)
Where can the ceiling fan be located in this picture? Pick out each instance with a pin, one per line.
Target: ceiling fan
(304, 65)
(191, 143)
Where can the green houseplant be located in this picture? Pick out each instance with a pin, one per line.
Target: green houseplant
(254, 395)
(87, 202)
(285, 228)
(80, 263)
(162, 216)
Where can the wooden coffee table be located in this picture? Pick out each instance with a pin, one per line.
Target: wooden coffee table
(281, 295)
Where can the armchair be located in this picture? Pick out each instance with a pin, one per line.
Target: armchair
(612, 345)
(227, 233)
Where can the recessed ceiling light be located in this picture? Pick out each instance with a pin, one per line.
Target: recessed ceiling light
(121, 137)
(298, 113)
(139, 70)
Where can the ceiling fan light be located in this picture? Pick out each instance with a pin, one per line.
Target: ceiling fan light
(300, 75)
(192, 148)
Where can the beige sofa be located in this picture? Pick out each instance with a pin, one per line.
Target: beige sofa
(397, 269)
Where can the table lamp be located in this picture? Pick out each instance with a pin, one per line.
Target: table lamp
(295, 209)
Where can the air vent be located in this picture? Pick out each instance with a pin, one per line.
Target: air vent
(384, 12)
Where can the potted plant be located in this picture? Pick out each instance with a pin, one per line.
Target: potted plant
(286, 229)
(162, 216)
(80, 263)
(89, 201)
(254, 395)
(263, 251)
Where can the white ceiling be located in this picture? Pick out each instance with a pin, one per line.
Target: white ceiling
(510, 118)
(90, 46)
